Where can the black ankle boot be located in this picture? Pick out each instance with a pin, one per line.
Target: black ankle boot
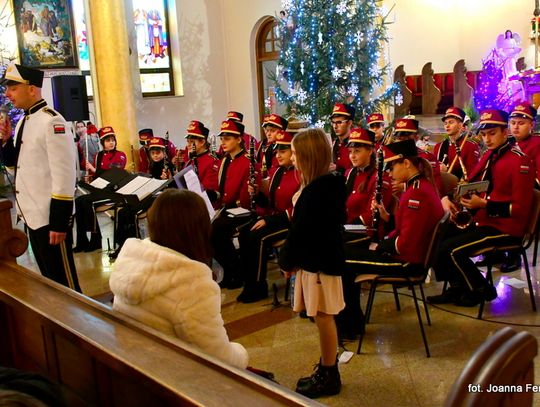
(325, 381)
(95, 243)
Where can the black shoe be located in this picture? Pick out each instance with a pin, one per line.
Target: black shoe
(234, 283)
(79, 248)
(325, 381)
(254, 293)
(490, 258)
(303, 314)
(469, 299)
(451, 295)
(512, 263)
(488, 292)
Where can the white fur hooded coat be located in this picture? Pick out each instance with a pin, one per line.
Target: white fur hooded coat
(176, 295)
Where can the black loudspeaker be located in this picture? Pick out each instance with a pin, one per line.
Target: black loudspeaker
(69, 96)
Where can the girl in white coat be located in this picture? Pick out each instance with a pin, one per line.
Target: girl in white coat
(164, 281)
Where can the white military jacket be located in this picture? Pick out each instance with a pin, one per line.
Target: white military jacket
(45, 177)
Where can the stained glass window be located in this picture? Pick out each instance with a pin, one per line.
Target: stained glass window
(153, 45)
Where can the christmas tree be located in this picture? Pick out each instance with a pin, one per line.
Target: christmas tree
(331, 52)
(491, 92)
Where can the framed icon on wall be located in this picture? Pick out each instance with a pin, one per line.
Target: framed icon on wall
(45, 33)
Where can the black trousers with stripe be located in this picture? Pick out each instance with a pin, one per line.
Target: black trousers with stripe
(254, 246)
(453, 262)
(361, 260)
(55, 261)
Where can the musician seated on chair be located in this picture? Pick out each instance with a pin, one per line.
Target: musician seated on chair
(499, 216)
(375, 123)
(362, 181)
(407, 129)
(234, 176)
(274, 207)
(446, 151)
(403, 251)
(160, 168)
(85, 215)
(205, 163)
(272, 125)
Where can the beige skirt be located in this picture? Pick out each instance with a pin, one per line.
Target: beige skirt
(318, 292)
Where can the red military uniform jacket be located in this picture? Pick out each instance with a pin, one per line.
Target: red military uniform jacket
(419, 211)
(341, 155)
(511, 183)
(531, 147)
(446, 153)
(434, 165)
(144, 164)
(208, 167)
(233, 181)
(358, 202)
(283, 185)
(105, 160)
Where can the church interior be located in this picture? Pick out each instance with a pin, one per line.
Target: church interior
(220, 56)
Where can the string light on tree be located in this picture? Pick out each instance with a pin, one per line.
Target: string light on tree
(333, 46)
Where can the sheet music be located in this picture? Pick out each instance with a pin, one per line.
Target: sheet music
(192, 181)
(99, 183)
(211, 210)
(238, 211)
(355, 228)
(133, 185)
(149, 187)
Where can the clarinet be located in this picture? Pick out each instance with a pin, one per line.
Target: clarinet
(194, 158)
(166, 157)
(378, 194)
(458, 158)
(252, 171)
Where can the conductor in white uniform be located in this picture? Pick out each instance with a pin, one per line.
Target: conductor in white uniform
(42, 155)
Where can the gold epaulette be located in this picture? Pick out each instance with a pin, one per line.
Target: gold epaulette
(50, 111)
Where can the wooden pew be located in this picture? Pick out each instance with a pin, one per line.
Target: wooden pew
(101, 358)
(431, 95)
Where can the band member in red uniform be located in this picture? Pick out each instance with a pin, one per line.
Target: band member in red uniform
(264, 140)
(144, 137)
(342, 120)
(408, 129)
(445, 151)
(375, 123)
(362, 178)
(205, 163)
(521, 126)
(272, 127)
(361, 188)
(160, 166)
(419, 210)
(246, 138)
(85, 216)
(500, 215)
(276, 209)
(233, 192)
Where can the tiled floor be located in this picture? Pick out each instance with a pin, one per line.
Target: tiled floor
(391, 371)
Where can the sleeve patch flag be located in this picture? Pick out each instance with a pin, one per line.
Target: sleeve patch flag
(413, 204)
(59, 129)
(524, 169)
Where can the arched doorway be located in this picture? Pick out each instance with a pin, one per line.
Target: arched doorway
(268, 45)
